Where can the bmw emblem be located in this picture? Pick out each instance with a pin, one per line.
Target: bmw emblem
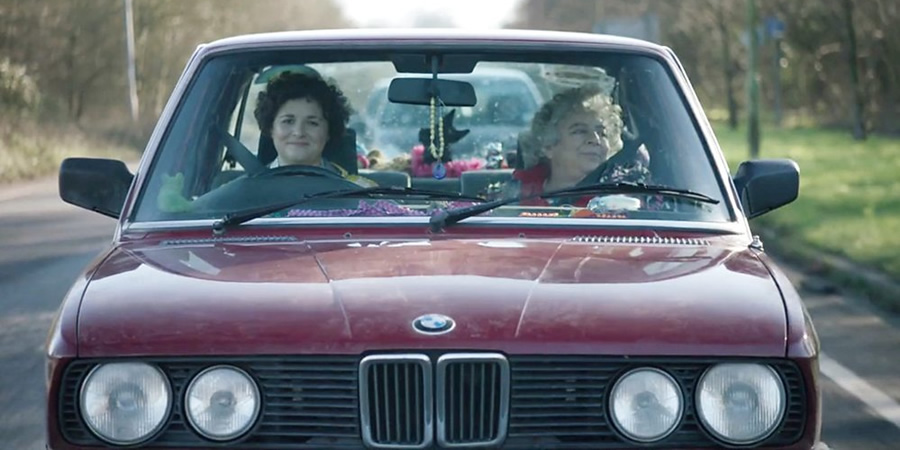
(433, 324)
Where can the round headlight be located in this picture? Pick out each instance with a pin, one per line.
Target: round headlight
(222, 402)
(125, 403)
(646, 404)
(740, 403)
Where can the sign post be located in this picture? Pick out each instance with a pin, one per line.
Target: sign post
(753, 137)
(775, 32)
(132, 72)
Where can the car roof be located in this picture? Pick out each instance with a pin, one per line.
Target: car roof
(427, 35)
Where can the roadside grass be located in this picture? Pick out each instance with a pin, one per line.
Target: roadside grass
(849, 202)
(31, 152)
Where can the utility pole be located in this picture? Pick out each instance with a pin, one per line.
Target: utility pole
(776, 77)
(775, 32)
(132, 72)
(728, 67)
(859, 125)
(753, 137)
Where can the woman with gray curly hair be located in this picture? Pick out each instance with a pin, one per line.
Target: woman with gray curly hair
(571, 136)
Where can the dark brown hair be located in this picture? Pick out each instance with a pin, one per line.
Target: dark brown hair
(290, 86)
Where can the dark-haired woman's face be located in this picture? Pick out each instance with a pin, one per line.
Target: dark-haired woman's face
(300, 132)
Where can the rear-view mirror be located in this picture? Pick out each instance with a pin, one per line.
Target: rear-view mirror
(94, 184)
(418, 91)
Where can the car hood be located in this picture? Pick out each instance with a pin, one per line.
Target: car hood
(516, 296)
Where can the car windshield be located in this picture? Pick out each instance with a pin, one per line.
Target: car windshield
(318, 132)
(507, 100)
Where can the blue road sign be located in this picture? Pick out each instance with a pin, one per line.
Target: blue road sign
(774, 27)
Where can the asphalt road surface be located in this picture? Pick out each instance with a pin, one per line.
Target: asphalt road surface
(44, 245)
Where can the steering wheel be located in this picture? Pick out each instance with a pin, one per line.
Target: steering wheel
(273, 185)
(311, 171)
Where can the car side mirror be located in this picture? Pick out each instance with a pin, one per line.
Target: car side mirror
(95, 184)
(766, 184)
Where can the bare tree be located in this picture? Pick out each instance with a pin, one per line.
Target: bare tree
(78, 62)
(728, 65)
(822, 38)
(859, 126)
(76, 48)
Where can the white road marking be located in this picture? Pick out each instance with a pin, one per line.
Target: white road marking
(878, 401)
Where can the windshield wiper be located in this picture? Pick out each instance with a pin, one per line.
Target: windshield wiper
(632, 188)
(237, 218)
(443, 218)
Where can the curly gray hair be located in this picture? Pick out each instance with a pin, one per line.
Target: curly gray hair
(544, 125)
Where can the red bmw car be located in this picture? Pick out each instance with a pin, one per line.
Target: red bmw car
(276, 282)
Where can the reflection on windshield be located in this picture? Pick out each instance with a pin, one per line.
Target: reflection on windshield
(535, 126)
(499, 104)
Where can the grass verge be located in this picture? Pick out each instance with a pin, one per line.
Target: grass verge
(29, 151)
(849, 203)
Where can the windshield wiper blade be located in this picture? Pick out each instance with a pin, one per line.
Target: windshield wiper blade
(631, 188)
(237, 218)
(442, 218)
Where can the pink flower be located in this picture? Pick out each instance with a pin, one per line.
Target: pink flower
(454, 168)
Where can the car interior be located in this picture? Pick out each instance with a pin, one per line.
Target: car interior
(237, 149)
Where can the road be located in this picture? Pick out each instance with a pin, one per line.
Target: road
(44, 244)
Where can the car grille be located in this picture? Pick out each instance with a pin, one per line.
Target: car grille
(396, 396)
(472, 399)
(435, 400)
(471, 395)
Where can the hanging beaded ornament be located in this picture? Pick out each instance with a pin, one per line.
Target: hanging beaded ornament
(437, 151)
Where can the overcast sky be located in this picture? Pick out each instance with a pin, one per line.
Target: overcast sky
(445, 13)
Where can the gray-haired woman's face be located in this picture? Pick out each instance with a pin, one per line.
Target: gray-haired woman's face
(582, 146)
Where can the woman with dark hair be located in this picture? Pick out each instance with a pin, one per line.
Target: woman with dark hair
(302, 113)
